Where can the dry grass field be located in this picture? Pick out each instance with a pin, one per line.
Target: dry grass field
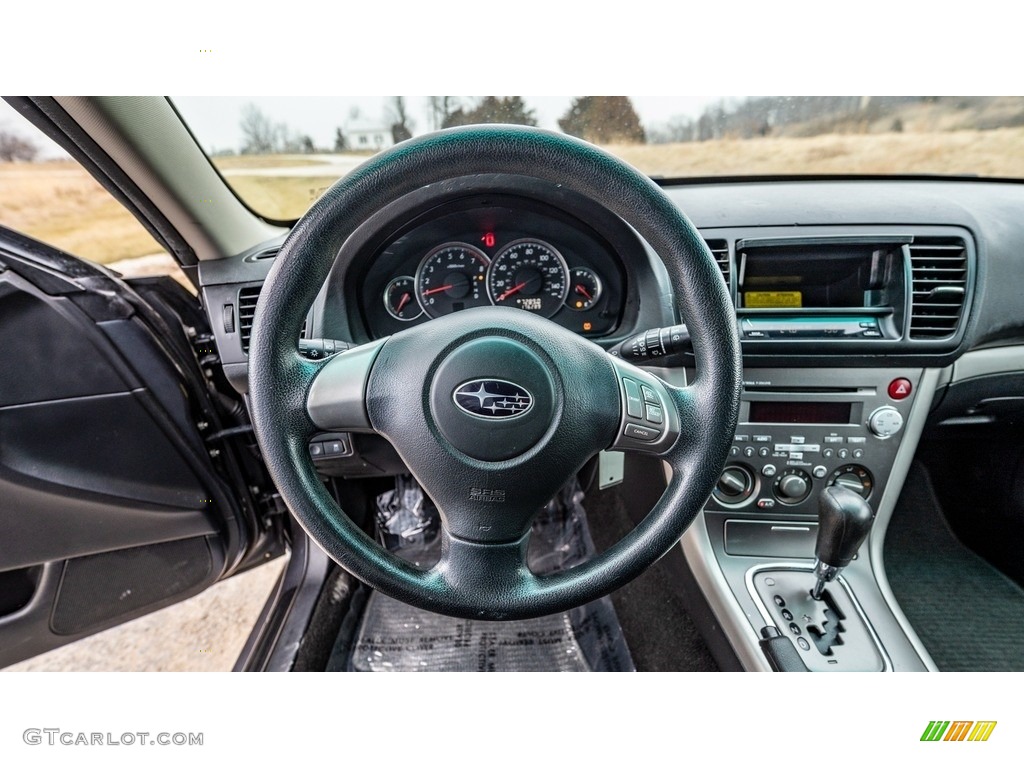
(61, 204)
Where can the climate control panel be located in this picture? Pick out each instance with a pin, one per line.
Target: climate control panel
(803, 430)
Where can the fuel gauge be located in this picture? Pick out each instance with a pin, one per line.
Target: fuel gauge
(400, 299)
(584, 289)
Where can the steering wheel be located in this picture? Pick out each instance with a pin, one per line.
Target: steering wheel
(492, 409)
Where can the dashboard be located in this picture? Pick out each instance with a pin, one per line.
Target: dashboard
(867, 311)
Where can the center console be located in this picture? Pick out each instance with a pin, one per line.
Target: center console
(801, 431)
(828, 322)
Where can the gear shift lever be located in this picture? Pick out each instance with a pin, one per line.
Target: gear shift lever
(844, 519)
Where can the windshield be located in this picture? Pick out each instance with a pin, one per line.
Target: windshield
(281, 154)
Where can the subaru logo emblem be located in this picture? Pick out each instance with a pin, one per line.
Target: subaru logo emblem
(493, 398)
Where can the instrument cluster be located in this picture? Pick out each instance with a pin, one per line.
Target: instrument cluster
(481, 253)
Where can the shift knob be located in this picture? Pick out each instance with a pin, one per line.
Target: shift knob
(844, 519)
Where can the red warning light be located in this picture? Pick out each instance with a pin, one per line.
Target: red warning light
(489, 240)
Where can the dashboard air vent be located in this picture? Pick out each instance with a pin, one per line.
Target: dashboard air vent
(247, 298)
(720, 250)
(939, 275)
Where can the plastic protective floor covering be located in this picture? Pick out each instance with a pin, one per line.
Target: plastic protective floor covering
(394, 637)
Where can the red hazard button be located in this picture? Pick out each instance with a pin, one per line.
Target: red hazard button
(899, 389)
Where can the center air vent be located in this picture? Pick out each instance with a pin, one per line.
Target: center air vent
(247, 298)
(939, 276)
(720, 250)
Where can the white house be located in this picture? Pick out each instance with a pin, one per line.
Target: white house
(364, 135)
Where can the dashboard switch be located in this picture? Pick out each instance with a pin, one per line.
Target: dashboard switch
(899, 389)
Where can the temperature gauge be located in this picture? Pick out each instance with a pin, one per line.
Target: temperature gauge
(400, 299)
(584, 289)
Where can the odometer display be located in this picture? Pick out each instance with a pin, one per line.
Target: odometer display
(530, 275)
(452, 277)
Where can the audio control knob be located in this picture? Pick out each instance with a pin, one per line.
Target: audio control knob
(735, 485)
(792, 486)
(885, 421)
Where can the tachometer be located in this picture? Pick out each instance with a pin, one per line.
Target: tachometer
(452, 277)
(531, 275)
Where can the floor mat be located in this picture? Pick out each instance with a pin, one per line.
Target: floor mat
(396, 637)
(969, 616)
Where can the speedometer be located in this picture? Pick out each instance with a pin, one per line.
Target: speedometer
(452, 277)
(530, 275)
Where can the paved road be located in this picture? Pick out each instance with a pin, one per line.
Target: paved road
(203, 634)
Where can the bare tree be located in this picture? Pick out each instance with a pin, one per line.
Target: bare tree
(259, 135)
(398, 116)
(440, 109)
(14, 147)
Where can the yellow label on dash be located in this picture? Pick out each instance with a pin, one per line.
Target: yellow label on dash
(772, 299)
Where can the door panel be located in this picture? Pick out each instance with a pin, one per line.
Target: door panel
(110, 502)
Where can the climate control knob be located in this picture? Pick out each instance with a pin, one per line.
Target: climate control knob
(885, 421)
(735, 485)
(792, 486)
(854, 477)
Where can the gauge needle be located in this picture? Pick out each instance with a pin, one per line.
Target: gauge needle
(437, 290)
(586, 294)
(510, 291)
(402, 303)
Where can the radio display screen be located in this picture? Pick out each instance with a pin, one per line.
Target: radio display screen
(763, 412)
(815, 276)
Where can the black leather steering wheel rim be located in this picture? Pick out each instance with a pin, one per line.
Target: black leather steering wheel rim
(487, 578)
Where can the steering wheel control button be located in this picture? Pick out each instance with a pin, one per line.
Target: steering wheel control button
(650, 396)
(316, 450)
(642, 433)
(900, 389)
(634, 403)
(655, 415)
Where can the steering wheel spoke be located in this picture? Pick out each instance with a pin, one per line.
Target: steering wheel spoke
(336, 400)
(484, 574)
